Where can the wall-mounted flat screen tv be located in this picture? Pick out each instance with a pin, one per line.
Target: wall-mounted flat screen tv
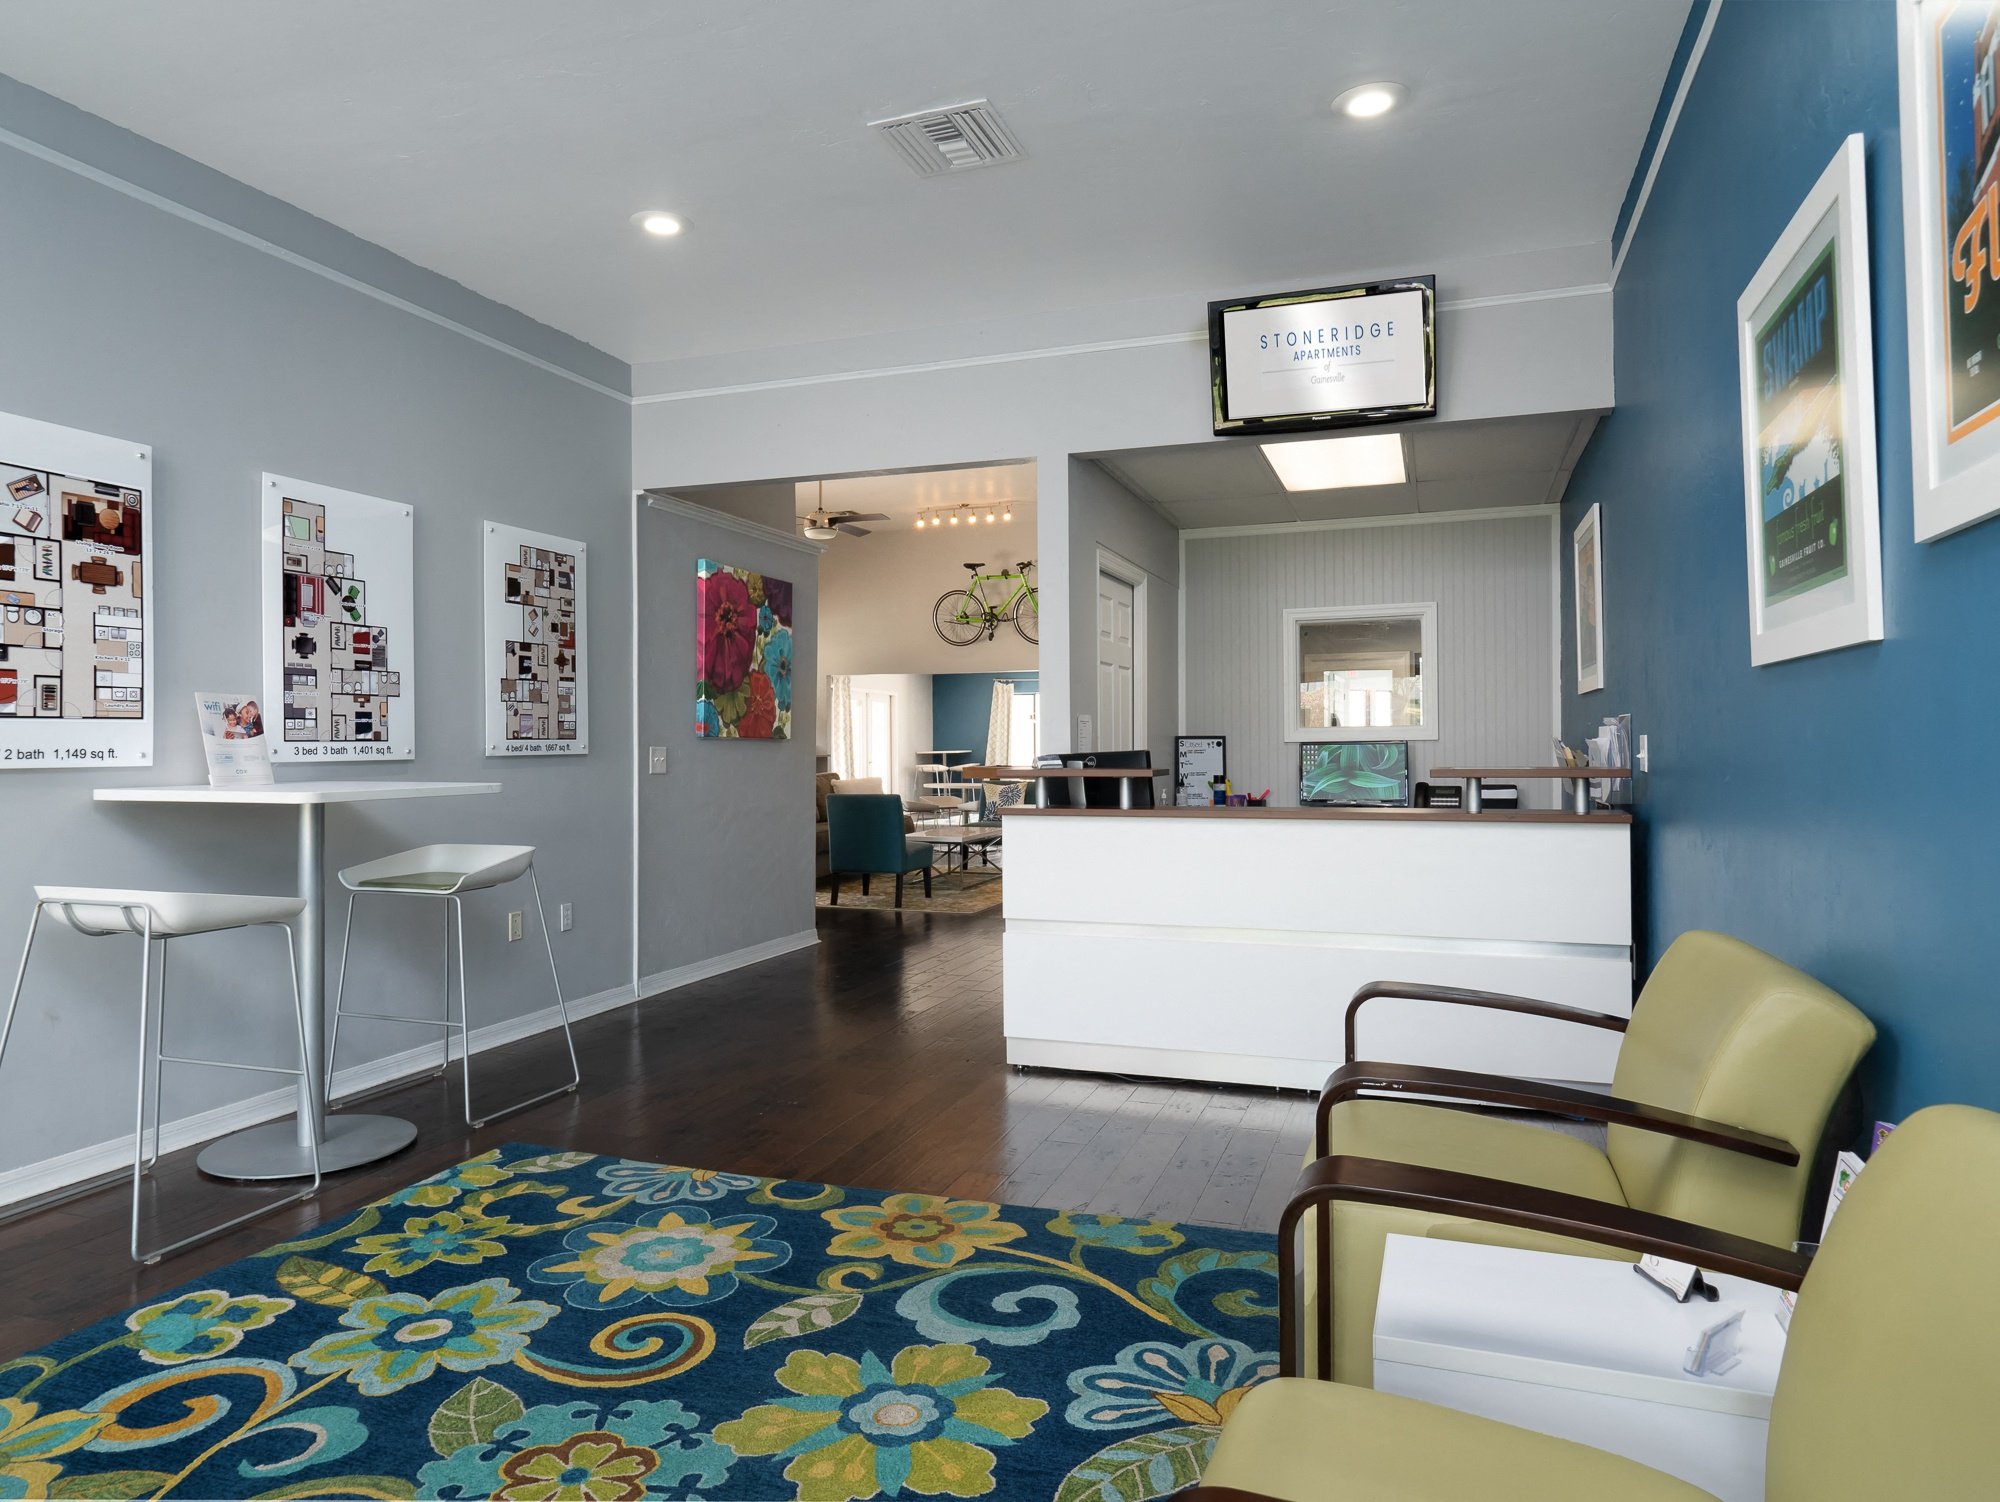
(1354, 774)
(1335, 357)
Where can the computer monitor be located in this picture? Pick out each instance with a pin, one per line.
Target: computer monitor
(1105, 792)
(1354, 774)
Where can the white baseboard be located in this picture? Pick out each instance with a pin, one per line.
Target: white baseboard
(736, 959)
(66, 1171)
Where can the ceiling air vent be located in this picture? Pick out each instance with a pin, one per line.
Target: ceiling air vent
(955, 139)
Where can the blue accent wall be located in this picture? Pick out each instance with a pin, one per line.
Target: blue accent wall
(1835, 810)
(962, 705)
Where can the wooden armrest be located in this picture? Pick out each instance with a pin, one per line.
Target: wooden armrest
(1492, 1000)
(1352, 1079)
(1371, 1181)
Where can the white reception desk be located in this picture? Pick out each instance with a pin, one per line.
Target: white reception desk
(1224, 944)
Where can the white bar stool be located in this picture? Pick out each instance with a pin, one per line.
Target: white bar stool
(447, 871)
(101, 912)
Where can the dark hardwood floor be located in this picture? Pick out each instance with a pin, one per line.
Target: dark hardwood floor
(873, 1060)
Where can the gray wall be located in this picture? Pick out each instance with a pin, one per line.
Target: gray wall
(125, 319)
(726, 835)
(1104, 514)
(1493, 581)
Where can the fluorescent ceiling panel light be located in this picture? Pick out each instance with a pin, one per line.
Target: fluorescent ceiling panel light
(1338, 463)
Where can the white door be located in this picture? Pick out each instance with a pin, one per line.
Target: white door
(1115, 690)
(875, 739)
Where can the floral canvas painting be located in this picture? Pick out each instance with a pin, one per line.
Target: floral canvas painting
(743, 650)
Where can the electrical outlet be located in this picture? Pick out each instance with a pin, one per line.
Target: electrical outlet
(565, 918)
(1641, 757)
(656, 759)
(514, 929)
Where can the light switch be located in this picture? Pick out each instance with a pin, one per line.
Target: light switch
(656, 759)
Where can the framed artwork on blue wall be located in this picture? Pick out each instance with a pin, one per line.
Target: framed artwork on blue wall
(1949, 54)
(1811, 515)
(1586, 551)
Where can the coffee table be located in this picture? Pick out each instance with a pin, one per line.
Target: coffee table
(966, 838)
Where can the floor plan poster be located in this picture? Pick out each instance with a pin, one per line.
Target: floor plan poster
(536, 704)
(339, 639)
(76, 616)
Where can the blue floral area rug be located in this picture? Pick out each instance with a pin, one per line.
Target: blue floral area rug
(542, 1325)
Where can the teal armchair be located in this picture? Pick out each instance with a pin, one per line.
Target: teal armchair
(864, 837)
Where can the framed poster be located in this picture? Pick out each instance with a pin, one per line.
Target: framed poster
(1586, 551)
(339, 624)
(76, 617)
(535, 697)
(1951, 245)
(1811, 518)
(743, 654)
(1197, 758)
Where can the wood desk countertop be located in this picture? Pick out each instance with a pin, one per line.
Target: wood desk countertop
(1407, 815)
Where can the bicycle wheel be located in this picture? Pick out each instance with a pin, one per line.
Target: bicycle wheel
(959, 618)
(1028, 618)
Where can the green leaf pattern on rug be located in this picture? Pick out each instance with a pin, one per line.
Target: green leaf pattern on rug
(324, 1283)
(813, 1312)
(110, 1484)
(473, 1415)
(1142, 1467)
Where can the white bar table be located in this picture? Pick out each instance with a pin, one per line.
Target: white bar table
(280, 1150)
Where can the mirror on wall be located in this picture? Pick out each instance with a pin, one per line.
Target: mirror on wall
(1361, 673)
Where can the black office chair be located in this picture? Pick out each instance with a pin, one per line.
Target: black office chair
(1103, 792)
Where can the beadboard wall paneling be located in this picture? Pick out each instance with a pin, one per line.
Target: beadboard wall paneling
(1493, 580)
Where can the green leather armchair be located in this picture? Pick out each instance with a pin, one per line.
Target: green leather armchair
(1886, 1391)
(1731, 1068)
(864, 837)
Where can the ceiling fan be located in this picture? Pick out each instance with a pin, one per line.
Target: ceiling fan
(824, 525)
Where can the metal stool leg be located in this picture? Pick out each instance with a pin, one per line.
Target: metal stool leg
(464, 1025)
(555, 977)
(160, 1056)
(13, 1001)
(340, 1011)
(465, 1030)
(159, 1047)
(145, 1042)
(339, 994)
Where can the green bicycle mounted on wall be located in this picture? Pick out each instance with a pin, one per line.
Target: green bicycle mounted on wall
(963, 616)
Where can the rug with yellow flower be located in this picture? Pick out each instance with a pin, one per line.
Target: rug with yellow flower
(543, 1325)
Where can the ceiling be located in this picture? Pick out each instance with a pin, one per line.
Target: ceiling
(903, 496)
(1174, 148)
(1460, 466)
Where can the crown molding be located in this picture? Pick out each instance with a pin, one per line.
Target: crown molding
(673, 505)
(29, 147)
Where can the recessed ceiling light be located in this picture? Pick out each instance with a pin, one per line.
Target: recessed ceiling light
(1368, 100)
(659, 222)
(1338, 463)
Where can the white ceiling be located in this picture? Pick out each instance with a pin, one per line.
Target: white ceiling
(1460, 466)
(1173, 147)
(903, 496)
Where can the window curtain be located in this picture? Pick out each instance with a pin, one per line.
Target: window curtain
(1000, 726)
(840, 726)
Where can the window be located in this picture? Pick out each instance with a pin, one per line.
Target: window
(1361, 673)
